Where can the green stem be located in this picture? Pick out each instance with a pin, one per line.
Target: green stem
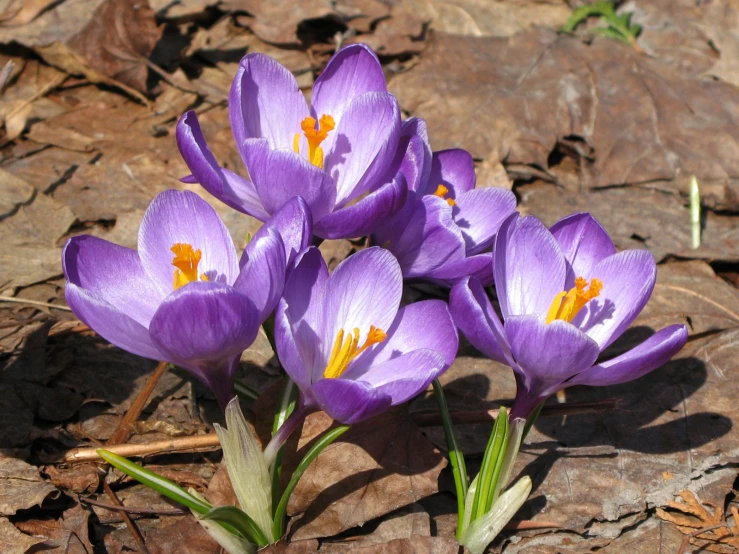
(288, 398)
(456, 458)
(329, 437)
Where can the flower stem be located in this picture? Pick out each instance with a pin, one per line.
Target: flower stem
(531, 420)
(456, 458)
(328, 437)
(288, 398)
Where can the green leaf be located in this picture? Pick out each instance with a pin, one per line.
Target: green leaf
(239, 520)
(456, 458)
(157, 482)
(492, 463)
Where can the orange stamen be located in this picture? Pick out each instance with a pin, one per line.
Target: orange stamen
(345, 351)
(186, 260)
(441, 192)
(314, 137)
(567, 304)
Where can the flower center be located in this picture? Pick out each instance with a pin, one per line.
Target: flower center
(186, 260)
(441, 192)
(314, 137)
(567, 303)
(346, 349)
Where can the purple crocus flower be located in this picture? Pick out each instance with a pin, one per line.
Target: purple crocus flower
(337, 154)
(182, 298)
(446, 225)
(347, 343)
(565, 295)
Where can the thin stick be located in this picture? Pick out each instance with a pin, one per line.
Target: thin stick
(34, 303)
(125, 427)
(141, 511)
(529, 524)
(138, 537)
(484, 416)
(198, 443)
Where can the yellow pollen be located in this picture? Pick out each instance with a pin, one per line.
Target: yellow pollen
(345, 351)
(567, 304)
(186, 260)
(441, 192)
(314, 137)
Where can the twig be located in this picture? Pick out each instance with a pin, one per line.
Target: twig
(34, 303)
(141, 511)
(484, 416)
(197, 443)
(138, 537)
(525, 524)
(125, 427)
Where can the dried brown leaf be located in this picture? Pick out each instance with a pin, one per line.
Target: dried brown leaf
(13, 541)
(119, 37)
(67, 535)
(21, 486)
(633, 119)
(639, 218)
(23, 12)
(377, 467)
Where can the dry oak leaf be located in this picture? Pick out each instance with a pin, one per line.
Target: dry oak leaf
(377, 467)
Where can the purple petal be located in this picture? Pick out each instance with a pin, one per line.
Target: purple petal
(480, 267)
(404, 377)
(649, 355)
(348, 401)
(229, 188)
(416, 127)
(548, 354)
(628, 280)
(363, 145)
(480, 213)
(584, 243)
(366, 215)
(351, 72)
(363, 291)
(262, 277)
(529, 267)
(281, 175)
(429, 240)
(299, 319)
(176, 217)
(474, 315)
(114, 326)
(294, 224)
(113, 274)
(425, 325)
(454, 169)
(203, 324)
(265, 101)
